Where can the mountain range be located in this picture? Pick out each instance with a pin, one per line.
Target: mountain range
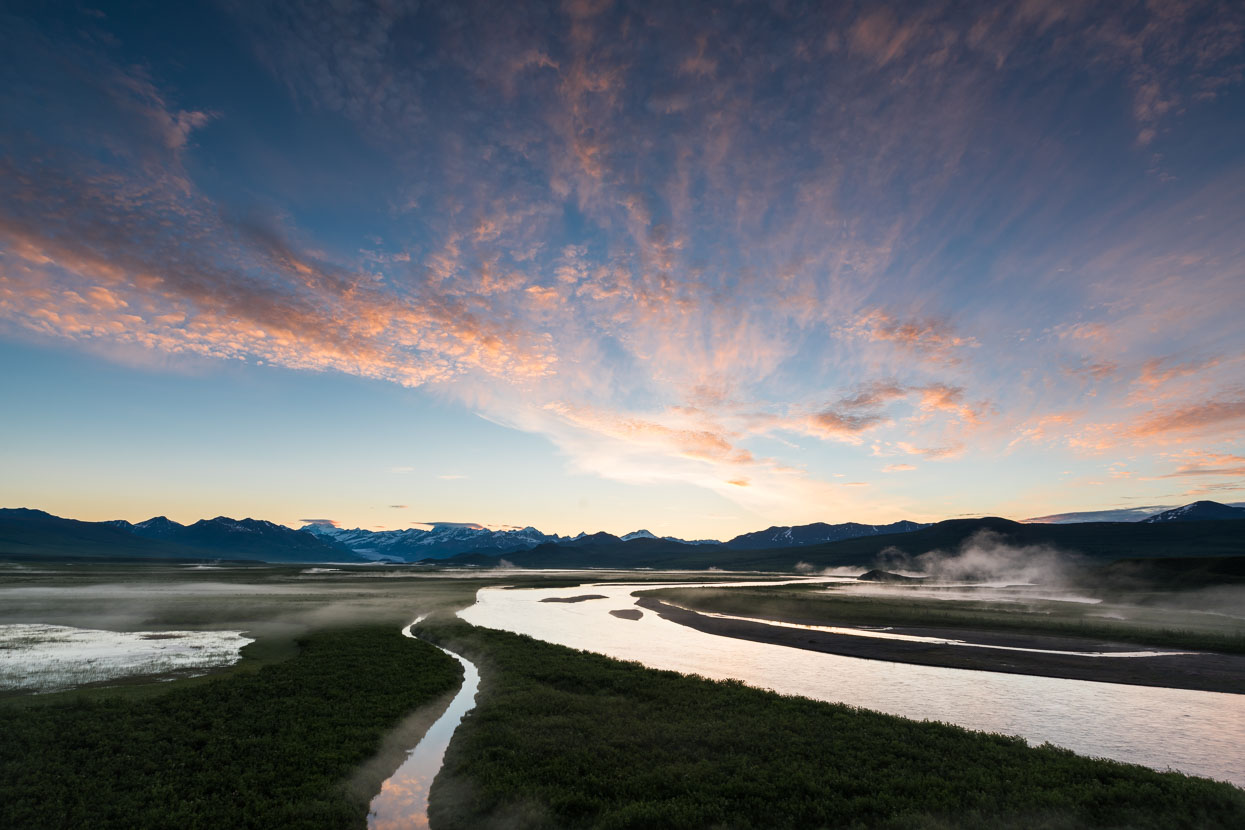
(1199, 511)
(1202, 528)
(26, 533)
(445, 540)
(815, 534)
(1088, 541)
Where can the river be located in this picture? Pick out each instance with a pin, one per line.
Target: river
(402, 803)
(1201, 733)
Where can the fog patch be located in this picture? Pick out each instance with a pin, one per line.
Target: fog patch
(1218, 601)
(986, 557)
(142, 590)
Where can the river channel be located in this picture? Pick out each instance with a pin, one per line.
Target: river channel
(402, 803)
(1201, 733)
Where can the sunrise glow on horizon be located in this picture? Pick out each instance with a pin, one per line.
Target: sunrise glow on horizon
(605, 266)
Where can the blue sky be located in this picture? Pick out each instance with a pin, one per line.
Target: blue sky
(694, 267)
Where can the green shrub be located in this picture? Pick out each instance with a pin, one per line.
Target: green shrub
(269, 749)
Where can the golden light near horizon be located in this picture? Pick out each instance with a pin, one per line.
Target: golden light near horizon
(611, 266)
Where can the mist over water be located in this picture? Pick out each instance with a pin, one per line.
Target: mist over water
(1201, 733)
(987, 557)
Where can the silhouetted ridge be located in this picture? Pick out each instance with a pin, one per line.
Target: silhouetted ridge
(1198, 511)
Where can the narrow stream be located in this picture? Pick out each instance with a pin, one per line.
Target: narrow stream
(403, 799)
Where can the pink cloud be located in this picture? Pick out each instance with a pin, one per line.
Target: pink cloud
(1209, 464)
(1206, 416)
(931, 339)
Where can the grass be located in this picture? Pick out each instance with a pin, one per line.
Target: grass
(272, 748)
(811, 604)
(564, 738)
(559, 739)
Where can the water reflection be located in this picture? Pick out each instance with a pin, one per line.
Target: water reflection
(884, 634)
(402, 802)
(1202, 733)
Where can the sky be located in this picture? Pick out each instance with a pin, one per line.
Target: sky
(697, 268)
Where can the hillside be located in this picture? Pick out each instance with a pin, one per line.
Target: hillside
(1102, 541)
(35, 534)
(1198, 511)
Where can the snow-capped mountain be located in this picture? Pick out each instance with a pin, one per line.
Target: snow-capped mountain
(1198, 511)
(814, 534)
(645, 534)
(413, 544)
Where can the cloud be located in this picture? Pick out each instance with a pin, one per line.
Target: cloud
(931, 339)
(322, 522)
(898, 468)
(1097, 372)
(1159, 371)
(1123, 514)
(1211, 416)
(851, 416)
(398, 506)
(939, 397)
(1209, 464)
(880, 35)
(1216, 489)
(464, 525)
(929, 452)
(842, 426)
(671, 245)
(689, 437)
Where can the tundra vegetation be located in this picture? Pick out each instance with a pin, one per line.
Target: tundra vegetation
(565, 738)
(268, 749)
(559, 738)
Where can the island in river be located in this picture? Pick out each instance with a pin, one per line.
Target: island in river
(1015, 652)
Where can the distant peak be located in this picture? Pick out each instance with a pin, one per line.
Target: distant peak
(1196, 512)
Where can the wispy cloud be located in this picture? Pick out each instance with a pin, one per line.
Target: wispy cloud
(1209, 464)
(931, 339)
(670, 241)
(1200, 417)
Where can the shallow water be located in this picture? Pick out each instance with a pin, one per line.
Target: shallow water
(402, 802)
(886, 634)
(35, 657)
(1201, 733)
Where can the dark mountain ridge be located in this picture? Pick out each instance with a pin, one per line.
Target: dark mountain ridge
(34, 533)
(816, 533)
(1198, 511)
(1097, 541)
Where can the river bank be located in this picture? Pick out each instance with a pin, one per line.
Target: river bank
(567, 738)
(1198, 671)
